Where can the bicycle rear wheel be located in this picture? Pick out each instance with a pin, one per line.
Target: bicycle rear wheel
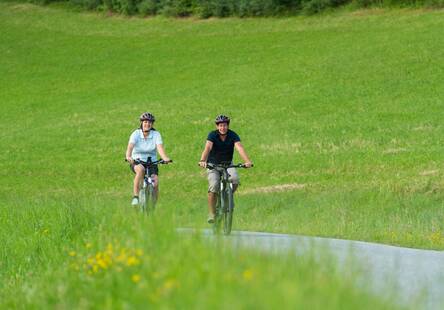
(228, 211)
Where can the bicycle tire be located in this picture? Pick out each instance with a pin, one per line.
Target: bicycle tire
(218, 216)
(151, 199)
(228, 212)
(142, 200)
(223, 210)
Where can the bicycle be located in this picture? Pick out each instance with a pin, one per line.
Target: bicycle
(225, 200)
(147, 194)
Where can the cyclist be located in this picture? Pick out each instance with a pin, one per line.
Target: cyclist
(219, 149)
(144, 143)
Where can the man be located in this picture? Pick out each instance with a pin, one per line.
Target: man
(219, 149)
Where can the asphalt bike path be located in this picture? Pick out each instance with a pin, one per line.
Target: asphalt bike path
(413, 277)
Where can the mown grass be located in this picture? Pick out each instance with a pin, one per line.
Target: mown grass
(348, 106)
(341, 115)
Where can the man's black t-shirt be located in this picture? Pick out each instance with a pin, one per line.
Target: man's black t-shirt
(222, 151)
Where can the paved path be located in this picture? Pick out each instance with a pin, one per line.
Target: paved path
(415, 276)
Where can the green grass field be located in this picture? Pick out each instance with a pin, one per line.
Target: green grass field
(341, 115)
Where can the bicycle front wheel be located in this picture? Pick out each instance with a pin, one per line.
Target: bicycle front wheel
(228, 210)
(218, 221)
(151, 199)
(142, 200)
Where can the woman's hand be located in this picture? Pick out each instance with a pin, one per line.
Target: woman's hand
(130, 160)
(203, 164)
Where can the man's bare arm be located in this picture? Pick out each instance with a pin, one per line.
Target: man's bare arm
(205, 153)
(243, 154)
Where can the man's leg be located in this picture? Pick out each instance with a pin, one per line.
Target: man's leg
(211, 204)
(213, 189)
(234, 178)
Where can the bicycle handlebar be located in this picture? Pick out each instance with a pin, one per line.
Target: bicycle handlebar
(152, 163)
(225, 166)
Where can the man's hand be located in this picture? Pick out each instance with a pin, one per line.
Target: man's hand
(166, 160)
(248, 164)
(203, 164)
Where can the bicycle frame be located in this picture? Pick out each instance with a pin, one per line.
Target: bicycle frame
(147, 194)
(225, 200)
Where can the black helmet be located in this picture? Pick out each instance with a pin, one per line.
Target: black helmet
(147, 117)
(222, 119)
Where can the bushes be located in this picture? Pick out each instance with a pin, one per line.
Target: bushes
(317, 6)
(246, 8)
(217, 8)
(240, 8)
(399, 3)
(177, 8)
(128, 7)
(435, 3)
(148, 7)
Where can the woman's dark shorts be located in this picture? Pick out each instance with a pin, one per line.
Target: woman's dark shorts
(151, 171)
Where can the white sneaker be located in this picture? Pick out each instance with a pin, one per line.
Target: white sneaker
(135, 201)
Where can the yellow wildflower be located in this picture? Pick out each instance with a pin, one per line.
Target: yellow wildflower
(132, 261)
(248, 274)
(102, 264)
(122, 256)
(90, 261)
(72, 253)
(168, 286)
(135, 278)
(108, 259)
(170, 283)
(109, 249)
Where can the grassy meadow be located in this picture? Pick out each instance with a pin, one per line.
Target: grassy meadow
(341, 115)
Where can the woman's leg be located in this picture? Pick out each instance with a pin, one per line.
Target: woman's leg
(140, 172)
(155, 179)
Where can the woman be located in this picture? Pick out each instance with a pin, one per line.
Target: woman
(144, 142)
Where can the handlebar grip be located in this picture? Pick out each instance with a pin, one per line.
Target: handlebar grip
(244, 166)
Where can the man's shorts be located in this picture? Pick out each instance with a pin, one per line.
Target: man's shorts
(152, 170)
(214, 179)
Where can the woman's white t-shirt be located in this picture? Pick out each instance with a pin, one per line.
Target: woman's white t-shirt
(145, 147)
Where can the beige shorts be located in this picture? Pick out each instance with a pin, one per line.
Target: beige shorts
(214, 178)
